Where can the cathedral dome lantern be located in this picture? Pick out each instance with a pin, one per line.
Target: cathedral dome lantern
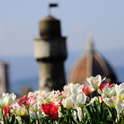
(91, 64)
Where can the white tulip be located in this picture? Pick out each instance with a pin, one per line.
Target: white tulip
(114, 102)
(7, 99)
(67, 103)
(75, 88)
(119, 91)
(34, 116)
(119, 108)
(79, 100)
(1, 122)
(35, 107)
(19, 119)
(111, 102)
(79, 113)
(18, 110)
(95, 81)
(108, 92)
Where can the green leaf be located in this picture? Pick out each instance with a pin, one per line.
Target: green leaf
(87, 110)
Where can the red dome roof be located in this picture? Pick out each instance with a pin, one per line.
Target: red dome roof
(91, 64)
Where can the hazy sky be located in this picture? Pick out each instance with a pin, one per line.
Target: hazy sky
(19, 24)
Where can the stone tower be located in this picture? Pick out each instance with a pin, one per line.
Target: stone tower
(50, 52)
(4, 82)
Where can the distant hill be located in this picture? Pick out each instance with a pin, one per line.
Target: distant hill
(23, 71)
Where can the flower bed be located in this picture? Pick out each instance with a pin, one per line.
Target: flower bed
(74, 105)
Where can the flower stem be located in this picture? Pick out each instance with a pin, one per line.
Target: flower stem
(83, 113)
(4, 120)
(69, 114)
(37, 117)
(29, 116)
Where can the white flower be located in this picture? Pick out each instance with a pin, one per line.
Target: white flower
(65, 92)
(19, 119)
(7, 99)
(35, 107)
(18, 110)
(79, 100)
(67, 103)
(80, 113)
(115, 103)
(37, 94)
(75, 88)
(108, 92)
(111, 102)
(95, 81)
(119, 99)
(119, 108)
(34, 116)
(119, 91)
(1, 122)
(60, 114)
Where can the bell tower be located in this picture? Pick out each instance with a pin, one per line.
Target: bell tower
(50, 53)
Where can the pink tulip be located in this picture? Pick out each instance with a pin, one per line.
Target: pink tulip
(57, 102)
(87, 90)
(27, 101)
(65, 93)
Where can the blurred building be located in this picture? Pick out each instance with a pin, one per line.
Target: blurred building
(4, 80)
(50, 53)
(92, 64)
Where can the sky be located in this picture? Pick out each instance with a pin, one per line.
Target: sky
(19, 24)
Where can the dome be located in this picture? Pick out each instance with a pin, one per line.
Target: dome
(50, 27)
(91, 64)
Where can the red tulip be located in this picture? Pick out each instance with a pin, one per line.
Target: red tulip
(6, 109)
(103, 85)
(50, 109)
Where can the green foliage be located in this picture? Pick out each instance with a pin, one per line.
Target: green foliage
(96, 113)
(12, 120)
